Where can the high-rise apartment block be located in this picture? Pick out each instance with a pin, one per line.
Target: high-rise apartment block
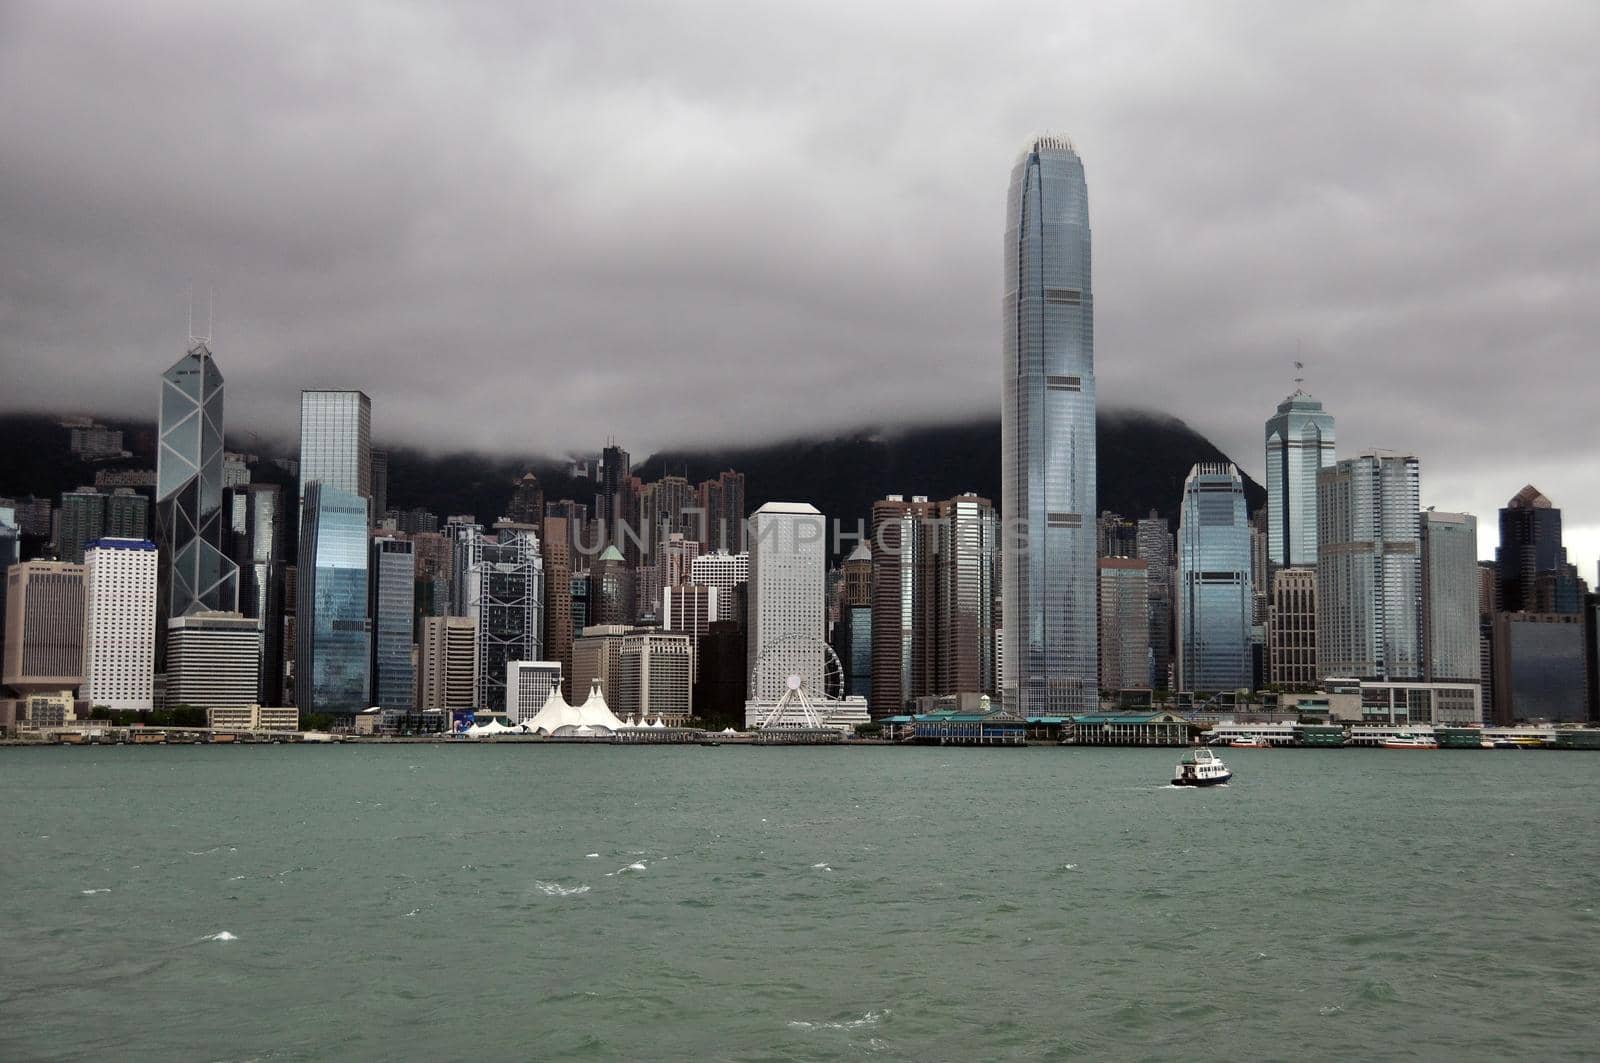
(1048, 438)
(119, 624)
(1369, 568)
(722, 500)
(1215, 597)
(1299, 445)
(1450, 591)
(88, 514)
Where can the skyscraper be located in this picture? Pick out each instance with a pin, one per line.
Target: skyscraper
(505, 594)
(214, 661)
(447, 660)
(526, 505)
(787, 542)
(1531, 560)
(1156, 550)
(119, 624)
(333, 658)
(393, 590)
(1215, 598)
(1299, 442)
(723, 502)
(1369, 570)
(196, 574)
(44, 627)
(380, 485)
(1124, 623)
(1292, 629)
(258, 531)
(1048, 438)
(336, 442)
(1450, 589)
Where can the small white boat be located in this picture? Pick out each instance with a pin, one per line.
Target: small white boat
(1200, 767)
(1250, 742)
(1409, 741)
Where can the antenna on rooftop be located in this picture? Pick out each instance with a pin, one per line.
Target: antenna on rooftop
(210, 308)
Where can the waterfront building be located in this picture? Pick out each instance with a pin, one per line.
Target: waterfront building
(505, 594)
(1534, 575)
(654, 678)
(1124, 623)
(595, 656)
(785, 598)
(1292, 629)
(392, 581)
(529, 685)
(1156, 549)
(1540, 668)
(253, 718)
(258, 523)
(1369, 572)
(333, 655)
(119, 624)
(1048, 437)
(196, 575)
(1450, 590)
(722, 501)
(214, 661)
(44, 627)
(1215, 599)
(1300, 443)
(336, 442)
(1404, 702)
(447, 663)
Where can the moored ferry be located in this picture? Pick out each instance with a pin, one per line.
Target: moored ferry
(1200, 767)
(1410, 741)
(1250, 742)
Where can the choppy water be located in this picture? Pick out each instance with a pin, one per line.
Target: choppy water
(425, 902)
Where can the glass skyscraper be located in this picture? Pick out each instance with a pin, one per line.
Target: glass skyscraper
(1215, 596)
(258, 531)
(1047, 456)
(195, 574)
(393, 581)
(505, 594)
(1299, 442)
(336, 441)
(331, 627)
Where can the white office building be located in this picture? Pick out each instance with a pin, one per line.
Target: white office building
(528, 687)
(786, 598)
(119, 624)
(723, 571)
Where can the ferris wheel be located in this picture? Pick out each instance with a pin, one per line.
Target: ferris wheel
(806, 696)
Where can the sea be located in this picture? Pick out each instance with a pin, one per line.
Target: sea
(551, 902)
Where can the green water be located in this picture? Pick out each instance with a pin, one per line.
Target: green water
(431, 902)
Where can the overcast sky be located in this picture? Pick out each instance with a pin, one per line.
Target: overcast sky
(527, 226)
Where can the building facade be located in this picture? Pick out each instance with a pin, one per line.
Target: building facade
(1124, 623)
(505, 595)
(1540, 668)
(119, 624)
(528, 687)
(44, 627)
(786, 598)
(1292, 629)
(1369, 568)
(1531, 560)
(1215, 598)
(447, 663)
(654, 677)
(213, 661)
(392, 583)
(1450, 591)
(334, 652)
(1299, 445)
(1048, 438)
(196, 574)
(336, 442)
(259, 526)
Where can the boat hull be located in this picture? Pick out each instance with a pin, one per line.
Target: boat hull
(1216, 781)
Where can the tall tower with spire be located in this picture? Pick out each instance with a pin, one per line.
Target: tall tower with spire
(1299, 442)
(195, 574)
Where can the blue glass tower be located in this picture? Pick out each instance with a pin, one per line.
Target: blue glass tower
(1214, 590)
(1299, 443)
(333, 653)
(1048, 573)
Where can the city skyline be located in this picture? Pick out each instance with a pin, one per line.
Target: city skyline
(1342, 230)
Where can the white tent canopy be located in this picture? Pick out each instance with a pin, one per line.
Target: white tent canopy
(593, 717)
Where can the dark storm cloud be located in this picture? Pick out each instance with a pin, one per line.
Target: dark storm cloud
(525, 226)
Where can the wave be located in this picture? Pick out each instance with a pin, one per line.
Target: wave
(869, 1019)
(637, 865)
(556, 889)
(90, 893)
(221, 935)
